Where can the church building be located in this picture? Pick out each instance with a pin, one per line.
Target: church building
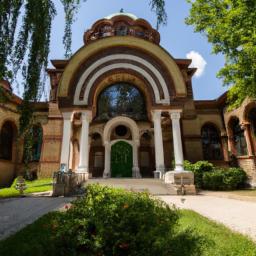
(122, 106)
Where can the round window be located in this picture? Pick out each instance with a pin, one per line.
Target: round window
(121, 130)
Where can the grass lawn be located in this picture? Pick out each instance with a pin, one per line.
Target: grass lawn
(220, 241)
(36, 238)
(39, 185)
(247, 192)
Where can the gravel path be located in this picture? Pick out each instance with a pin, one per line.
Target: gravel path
(16, 213)
(238, 215)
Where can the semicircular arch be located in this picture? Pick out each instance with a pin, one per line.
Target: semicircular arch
(151, 49)
(119, 76)
(121, 120)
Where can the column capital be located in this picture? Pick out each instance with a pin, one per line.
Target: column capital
(86, 115)
(67, 115)
(244, 125)
(106, 143)
(137, 142)
(156, 114)
(175, 113)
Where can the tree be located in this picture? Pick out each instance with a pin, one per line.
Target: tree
(33, 41)
(230, 26)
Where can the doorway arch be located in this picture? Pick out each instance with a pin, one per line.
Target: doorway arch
(134, 142)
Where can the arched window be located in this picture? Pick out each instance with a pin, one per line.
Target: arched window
(121, 99)
(238, 138)
(252, 120)
(32, 152)
(211, 143)
(6, 141)
(37, 142)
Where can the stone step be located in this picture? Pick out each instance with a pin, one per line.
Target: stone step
(153, 186)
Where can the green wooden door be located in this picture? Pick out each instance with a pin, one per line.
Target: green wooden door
(121, 160)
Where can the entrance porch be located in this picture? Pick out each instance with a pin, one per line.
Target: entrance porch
(120, 140)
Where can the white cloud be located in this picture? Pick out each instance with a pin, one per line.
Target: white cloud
(197, 62)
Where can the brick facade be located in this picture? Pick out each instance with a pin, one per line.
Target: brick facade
(175, 74)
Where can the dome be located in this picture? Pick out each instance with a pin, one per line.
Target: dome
(132, 16)
(121, 24)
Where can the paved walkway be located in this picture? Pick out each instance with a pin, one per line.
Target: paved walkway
(16, 213)
(235, 214)
(153, 186)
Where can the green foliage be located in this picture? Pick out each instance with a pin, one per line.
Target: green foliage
(224, 179)
(209, 177)
(199, 168)
(158, 6)
(39, 185)
(70, 8)
(34, 239)
(111, 221)
(230, 25)
(218, 240)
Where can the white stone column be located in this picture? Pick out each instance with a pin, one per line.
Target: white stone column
(65, 146)
(84, 143)
(182, 180)
(136, 169)
(159, 150)
(177, 142)
(106, 173)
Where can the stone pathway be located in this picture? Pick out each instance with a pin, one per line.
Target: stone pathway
(16, 213)
(238, 215)
(153, 186)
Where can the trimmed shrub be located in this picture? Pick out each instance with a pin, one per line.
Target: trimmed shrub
(224, 179)
(111, 221)
(213, 180)
(199, 168)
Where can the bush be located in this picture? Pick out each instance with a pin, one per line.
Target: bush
(199, 168)
(224, 179)
(213, 180)
(111, 221)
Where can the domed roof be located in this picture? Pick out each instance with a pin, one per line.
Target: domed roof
(132, 16)
(121, 24)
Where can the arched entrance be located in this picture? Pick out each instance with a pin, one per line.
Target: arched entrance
(121, 160)
(113, 145)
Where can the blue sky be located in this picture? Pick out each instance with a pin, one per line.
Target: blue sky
(177, 38)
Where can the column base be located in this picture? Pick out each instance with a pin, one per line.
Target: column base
(106, 174)
(68, 183)
(183, 181)
(159, 173)
(82, 176)
(136, 173)
(179, 177)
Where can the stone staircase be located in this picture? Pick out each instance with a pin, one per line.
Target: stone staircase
(153, 186)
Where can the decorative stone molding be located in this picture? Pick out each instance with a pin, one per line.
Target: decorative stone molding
(121, 24)
(84, 54)
(121, 120)
(121, 57)
(67, 115)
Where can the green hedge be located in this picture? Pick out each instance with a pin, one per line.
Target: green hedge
(213, 178)
(110, 221)
(224, 179)
(199, 168)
